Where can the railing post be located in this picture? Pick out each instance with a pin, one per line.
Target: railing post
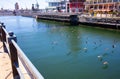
(0, 31)
(13, 54)
(3, 35)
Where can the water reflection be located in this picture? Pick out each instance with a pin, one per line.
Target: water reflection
(72, 35)
(74, 40)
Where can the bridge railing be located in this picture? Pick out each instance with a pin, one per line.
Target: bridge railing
(11, 47)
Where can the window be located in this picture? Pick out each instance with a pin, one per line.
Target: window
(100, 7)
(115, 0)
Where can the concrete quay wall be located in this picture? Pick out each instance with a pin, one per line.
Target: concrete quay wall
(110, 22)
(104, 22)
(62, 17)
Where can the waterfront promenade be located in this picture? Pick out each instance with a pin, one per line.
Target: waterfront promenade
(5, 65)
(13, 62)
(6, 68)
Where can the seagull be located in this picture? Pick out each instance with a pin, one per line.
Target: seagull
(100, 57)
(105, 63)
(113, 46)
(85, 48)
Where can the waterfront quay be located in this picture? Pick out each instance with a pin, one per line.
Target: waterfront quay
(72, 18)
(80, 18)
(103, 22)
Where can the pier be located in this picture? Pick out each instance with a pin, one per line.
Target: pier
(13, 62)
(72, 18)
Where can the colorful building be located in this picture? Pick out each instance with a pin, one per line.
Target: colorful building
(102, 5)
(66, 5)
(75, 5)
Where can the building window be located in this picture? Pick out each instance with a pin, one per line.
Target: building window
(91, 6)
(109, 0)
(115, 0)
(51, 4)
(95, 7)
(100, 7)
(104, 1)
(111, 7)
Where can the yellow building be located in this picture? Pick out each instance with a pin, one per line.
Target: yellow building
(102, 5)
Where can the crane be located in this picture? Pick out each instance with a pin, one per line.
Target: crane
(37, 5)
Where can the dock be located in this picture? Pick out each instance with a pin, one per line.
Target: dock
(71, 18)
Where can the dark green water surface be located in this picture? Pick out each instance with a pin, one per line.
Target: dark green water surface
(60, 51)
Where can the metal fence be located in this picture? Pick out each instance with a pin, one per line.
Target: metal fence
(11, 47)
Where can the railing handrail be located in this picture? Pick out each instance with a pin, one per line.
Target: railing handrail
(5, 31)
(27, 62)
(10, 41)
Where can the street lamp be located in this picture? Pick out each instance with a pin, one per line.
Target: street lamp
(77, 6)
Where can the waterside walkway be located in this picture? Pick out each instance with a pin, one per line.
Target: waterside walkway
(6, 68)
(14, 64)
(5, 65)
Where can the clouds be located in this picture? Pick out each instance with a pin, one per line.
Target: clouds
(9, 4)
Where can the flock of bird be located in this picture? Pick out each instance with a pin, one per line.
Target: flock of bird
(97, 44)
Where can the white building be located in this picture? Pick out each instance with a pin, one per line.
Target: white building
(55, 4)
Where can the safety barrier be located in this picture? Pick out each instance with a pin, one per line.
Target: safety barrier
(11, 47)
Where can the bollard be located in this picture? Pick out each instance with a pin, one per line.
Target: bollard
(13, 54)
(2, 24)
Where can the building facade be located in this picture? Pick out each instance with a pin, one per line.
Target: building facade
(102, 5)
(53, 4)
(75, 5)
(66, 5)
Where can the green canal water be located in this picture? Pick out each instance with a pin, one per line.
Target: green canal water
(60, 51)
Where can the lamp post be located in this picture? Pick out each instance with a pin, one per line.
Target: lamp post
(77, 5)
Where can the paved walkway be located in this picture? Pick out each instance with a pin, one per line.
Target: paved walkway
(6, 68)
(5, 65)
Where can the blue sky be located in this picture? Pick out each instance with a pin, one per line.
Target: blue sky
(9, 4)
